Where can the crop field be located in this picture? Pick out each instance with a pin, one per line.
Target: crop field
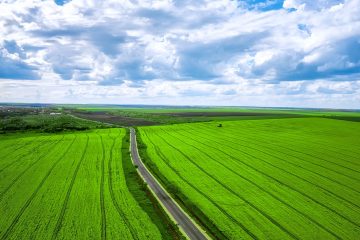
(155, 115)
(68, 186)
(295, 178)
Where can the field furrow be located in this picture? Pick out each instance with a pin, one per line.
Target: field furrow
(311, 179)
(203, 194)
(288, 158)
(261, 188)
(243, 137)
(112, 194)
(10, 160)
(102, 201)
(71, 185)
(284, 182)
(303, 140)
(40, 157)
(28, 202)
(282, 189)
(64, 205)
(255, 208)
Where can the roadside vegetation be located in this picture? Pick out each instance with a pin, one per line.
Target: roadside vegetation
(75, 185)
(293, 178)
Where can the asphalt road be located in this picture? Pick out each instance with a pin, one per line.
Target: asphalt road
(183, 221)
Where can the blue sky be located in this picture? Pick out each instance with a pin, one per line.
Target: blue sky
(294, 53)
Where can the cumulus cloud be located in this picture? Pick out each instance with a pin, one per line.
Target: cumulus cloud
(230, 49)
(14, 63)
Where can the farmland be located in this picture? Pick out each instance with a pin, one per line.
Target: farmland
(74, 185)
(155, 115)
(293, 178)
(66, 173)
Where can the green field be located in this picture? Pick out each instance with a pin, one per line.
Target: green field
(288, 178)
(72, 186)
(174, 115)
(265, 174)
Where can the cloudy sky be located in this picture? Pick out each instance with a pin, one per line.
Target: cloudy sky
(300, 53)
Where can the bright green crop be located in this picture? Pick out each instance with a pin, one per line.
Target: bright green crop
(266, 179)
(68, 186)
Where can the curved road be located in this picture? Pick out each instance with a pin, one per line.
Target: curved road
(192, 230)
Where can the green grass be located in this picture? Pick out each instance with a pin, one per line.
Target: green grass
(268, 179)
(73, 186)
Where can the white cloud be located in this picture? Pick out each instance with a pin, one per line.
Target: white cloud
(153, 50)
(310, 4)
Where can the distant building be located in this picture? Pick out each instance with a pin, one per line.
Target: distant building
(55, 113)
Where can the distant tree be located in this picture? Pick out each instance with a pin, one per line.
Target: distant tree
(14, 123)
(220, 125)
